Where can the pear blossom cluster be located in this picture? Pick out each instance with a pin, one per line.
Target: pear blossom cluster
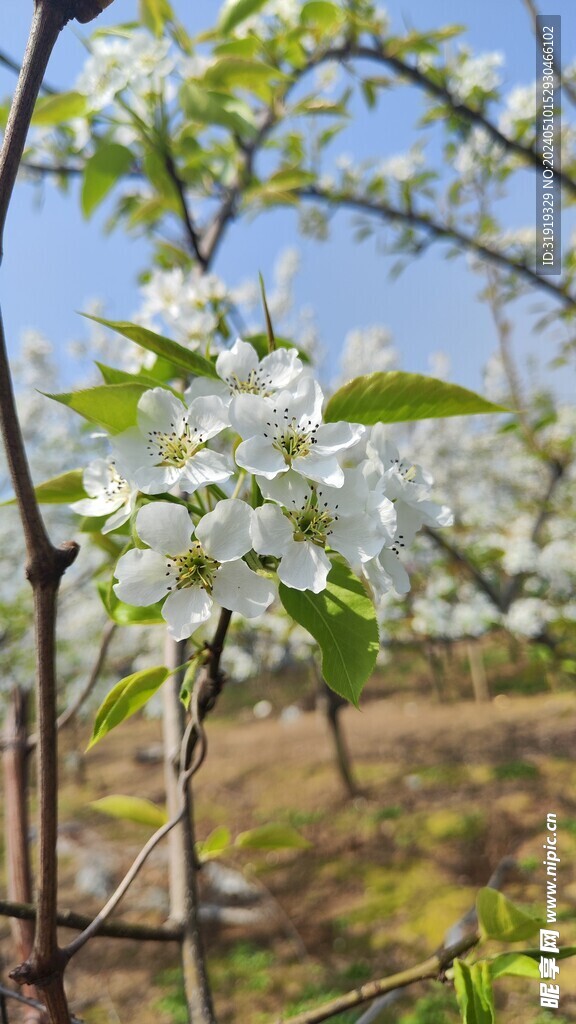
(239, 485)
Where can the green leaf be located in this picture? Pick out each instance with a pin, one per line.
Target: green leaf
(473, 987)
(53, 110)
(112, 375)
(260, 343)
(233, 14)
(112, 406)
(500, 919)
(396, 396)
(152, 342)
(216, 108)
(343, 622)
(124, 699)
(321, 13)
(59, 490)
(131, 808)
(215, 844)
(271, 837)
(128, 614)
(517, 964)
(102, 171)
(155, 14)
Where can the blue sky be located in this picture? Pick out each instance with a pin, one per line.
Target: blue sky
(55, 263)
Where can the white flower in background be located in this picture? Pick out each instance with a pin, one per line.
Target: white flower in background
(309, 518)
(406, 484)
(141, 62)
(243, 372)
(520, 106)
(110, 494)
(528, 616)
(367, 350)
(186, 302)
(168, 446)
(193, 573)
(287, 432)
(403, 166)
(475, 72)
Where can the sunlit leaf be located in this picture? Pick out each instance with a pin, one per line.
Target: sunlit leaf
(343, 622)
(131, 808)
(271, 837)
(182, 357)
(125, 699)
(395, 396)
(500, 919)
(54, 110)
(112, 406)
(517, 964)
(473, 987)
(59, 490)
(215, 844)
(235, 12)
(102, 171)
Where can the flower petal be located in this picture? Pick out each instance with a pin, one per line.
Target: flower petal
(185, 610)
(225, 533)
(250, 415)
(304, 567)
(237, 362)
(281, 367)
(289, 490)
(334, 437)
(203, 386)
(324, 469)
(96, 477)
(142, 578)
(165, 527)
(159, 409)
(239, 589)
(258, 456)
(272, 534)
(355, 537)
(209, 415)
(206, 467)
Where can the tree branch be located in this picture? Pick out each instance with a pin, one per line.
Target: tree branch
(381, 55)
(441, 231)
(433, 967)
(564, 82)
(111, 929)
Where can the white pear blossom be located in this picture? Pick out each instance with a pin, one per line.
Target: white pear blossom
(313, 517)
(287, 432)
(168, 447)
(193, 573)
(406, 484)
(242, 372)
(110, 494)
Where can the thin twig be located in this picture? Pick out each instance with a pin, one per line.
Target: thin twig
(565, 82)
(179, 188)
(433, 967)
(112, 929)
(416, 76)
(10, 993)
(449, 233)
(13, 65)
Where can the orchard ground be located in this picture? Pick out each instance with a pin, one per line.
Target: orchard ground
(447, 790)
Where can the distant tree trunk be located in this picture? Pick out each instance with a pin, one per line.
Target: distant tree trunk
(182, 862)
(478, 673)
(18, 869)
(436, 673)
(332, 705)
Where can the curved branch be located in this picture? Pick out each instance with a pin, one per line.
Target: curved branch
(440, 231)
(433, 967)
(380, 55)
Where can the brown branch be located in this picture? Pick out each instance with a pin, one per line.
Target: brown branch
(444, 232)
(416, 76)
(461, 559)
(179, 188)
(564, 82)
(433, 967)
(111, 929)
(46, 564)
(8, 993)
